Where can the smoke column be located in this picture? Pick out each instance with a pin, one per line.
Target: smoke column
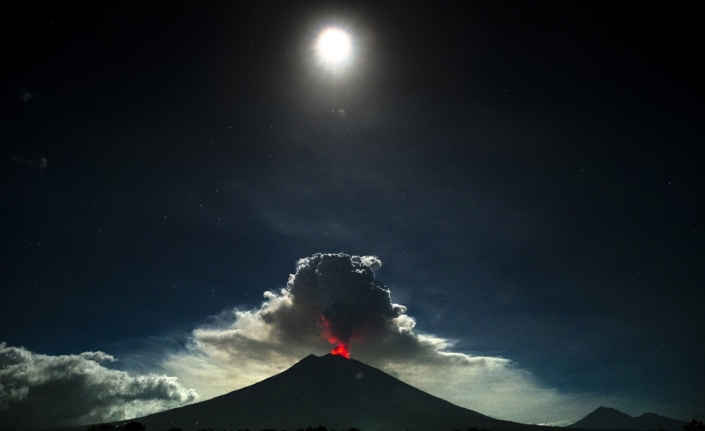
(344, 288)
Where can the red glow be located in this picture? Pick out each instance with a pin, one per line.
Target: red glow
(341, 350)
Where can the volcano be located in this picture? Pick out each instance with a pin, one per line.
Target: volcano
(612, 419)
(332, 391)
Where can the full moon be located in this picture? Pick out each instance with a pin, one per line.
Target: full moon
(333, 46)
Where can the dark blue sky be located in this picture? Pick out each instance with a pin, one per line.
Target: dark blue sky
(529, 173)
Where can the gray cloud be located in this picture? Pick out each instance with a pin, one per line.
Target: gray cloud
(242, 347)
(40, 391)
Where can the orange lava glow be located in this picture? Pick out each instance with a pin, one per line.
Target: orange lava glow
(341, 350)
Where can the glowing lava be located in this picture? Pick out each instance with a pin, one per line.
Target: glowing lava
(341, 350)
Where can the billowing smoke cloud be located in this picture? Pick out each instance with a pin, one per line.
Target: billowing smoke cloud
(41, 391)
(343, 290)
(336, 298)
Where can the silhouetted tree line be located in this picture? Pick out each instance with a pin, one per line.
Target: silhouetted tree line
(132, 426)
(309, 428)
(694, 426)
(136, 426)
(318, 428)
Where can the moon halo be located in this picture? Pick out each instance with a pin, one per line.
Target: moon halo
(334, 46)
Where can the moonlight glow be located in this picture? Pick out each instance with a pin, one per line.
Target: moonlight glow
(333, 46)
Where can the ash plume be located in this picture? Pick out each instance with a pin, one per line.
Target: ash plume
(335, 298)
(330, 298)
(351, 302)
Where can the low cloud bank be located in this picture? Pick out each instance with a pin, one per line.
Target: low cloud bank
(41, 391)
(335, 298)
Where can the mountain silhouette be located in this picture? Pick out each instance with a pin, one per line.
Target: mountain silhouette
(332, 391)
(612, 419)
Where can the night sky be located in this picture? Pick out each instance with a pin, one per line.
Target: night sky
(529, 174)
